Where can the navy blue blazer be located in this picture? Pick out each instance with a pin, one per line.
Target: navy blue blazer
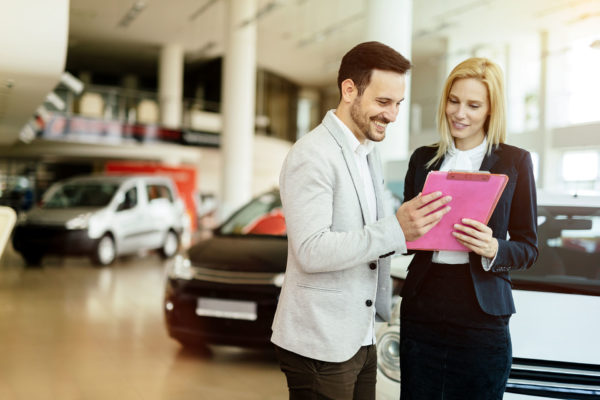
(515, 213)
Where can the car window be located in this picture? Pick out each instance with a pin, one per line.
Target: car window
(81, 195)
(129, 201)
(262, 216)
(158, 192)
(569, 245)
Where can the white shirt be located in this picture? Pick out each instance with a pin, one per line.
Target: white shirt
(360, 151)
(468, 160)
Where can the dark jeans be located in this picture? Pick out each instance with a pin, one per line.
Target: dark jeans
(310, 379)
(449, 348)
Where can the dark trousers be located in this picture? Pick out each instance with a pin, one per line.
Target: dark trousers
(449, 348)
(310, 379)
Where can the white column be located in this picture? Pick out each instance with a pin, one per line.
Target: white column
(390, 22)
(170, 85)
(239, 103)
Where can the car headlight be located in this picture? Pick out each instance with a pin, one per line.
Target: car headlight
(180, 268)
(388, 352)
(81, 221)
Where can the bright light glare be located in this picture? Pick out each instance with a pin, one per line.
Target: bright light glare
(580, 166)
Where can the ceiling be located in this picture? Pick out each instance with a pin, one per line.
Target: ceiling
(302, 40)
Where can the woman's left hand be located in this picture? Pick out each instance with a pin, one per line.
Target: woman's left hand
(476, 237)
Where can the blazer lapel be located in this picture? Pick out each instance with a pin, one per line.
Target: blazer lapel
(490, 159)
(338, 135)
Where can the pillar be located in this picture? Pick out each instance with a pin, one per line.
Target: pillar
(239, 104)
(390, 22)
(170, 85)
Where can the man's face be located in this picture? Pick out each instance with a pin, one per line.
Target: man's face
(377, 106)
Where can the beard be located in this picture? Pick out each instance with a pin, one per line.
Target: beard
(363, 122)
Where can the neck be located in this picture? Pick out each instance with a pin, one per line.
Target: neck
(468, 143)
(344, 115)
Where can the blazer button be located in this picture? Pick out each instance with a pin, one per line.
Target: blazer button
(372, 265)
(369, 303)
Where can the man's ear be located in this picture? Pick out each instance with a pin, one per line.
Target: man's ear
(349, 90)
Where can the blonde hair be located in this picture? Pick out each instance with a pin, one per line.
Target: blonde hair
(490, 74)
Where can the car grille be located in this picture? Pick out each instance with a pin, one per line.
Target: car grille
(556, 380)
(234, 277)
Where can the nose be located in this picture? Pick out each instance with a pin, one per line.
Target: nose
(391, 112)
(460, 111)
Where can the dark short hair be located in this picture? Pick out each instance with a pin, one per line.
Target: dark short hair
(358, 63)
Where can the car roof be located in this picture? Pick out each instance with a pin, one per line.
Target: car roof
(118, 179)
(555, 199)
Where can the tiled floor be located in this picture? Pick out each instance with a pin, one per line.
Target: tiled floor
(69, 331)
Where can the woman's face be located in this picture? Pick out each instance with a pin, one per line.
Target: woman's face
(467, 109)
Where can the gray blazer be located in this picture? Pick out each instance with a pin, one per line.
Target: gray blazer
(338, 267)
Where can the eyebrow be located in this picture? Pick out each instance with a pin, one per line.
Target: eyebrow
(388, 99)
(468, 101)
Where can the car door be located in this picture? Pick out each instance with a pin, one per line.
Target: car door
(160, 212)
(128, 220)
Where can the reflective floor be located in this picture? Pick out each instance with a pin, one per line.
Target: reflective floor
(69, 330)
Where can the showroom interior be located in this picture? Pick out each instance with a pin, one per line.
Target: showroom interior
(213, 94)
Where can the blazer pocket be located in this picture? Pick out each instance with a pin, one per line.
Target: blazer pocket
(320, 289)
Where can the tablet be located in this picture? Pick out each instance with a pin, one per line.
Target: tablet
(474, 196)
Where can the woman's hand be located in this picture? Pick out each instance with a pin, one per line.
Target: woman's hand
(476, 237)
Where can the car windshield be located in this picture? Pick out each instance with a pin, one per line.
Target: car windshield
(569, 244)
(262, 216)
(88, 194)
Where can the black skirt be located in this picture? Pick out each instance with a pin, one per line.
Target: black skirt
(449, 347)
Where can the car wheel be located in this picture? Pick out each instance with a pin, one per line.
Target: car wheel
(105, 252)
(33, 259)
(170, 245)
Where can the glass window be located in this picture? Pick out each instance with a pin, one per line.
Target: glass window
(262, 216)
(574, 83)
(159, 192)
(523, 87)
(580, 166)
(81, 195)
(130, 200)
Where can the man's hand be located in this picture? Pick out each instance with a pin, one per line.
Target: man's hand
(419, 215)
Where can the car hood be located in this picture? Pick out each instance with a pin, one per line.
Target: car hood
(243, 253)
(556, 327)
(57, 216)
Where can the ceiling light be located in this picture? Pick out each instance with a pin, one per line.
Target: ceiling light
(202, 9)
(132, 13)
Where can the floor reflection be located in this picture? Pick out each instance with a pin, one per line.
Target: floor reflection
(70, 330)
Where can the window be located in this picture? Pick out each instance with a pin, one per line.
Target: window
(156, 192)
(129, 200)
(580, 166)
(573, 83)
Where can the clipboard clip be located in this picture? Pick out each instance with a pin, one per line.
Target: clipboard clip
(479, 176)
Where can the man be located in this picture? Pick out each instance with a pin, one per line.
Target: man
(339, 238)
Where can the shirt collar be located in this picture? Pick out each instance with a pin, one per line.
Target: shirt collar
(357, 147)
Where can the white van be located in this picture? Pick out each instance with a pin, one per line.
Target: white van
(103, 217)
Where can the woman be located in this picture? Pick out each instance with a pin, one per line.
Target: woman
(455, 340)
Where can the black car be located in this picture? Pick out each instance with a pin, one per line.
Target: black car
(225, 290)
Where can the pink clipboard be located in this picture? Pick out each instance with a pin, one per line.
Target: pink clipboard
(474, 196)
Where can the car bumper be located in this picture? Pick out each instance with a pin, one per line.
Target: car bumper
(186, 325)
(52, 240)
(553, 379)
